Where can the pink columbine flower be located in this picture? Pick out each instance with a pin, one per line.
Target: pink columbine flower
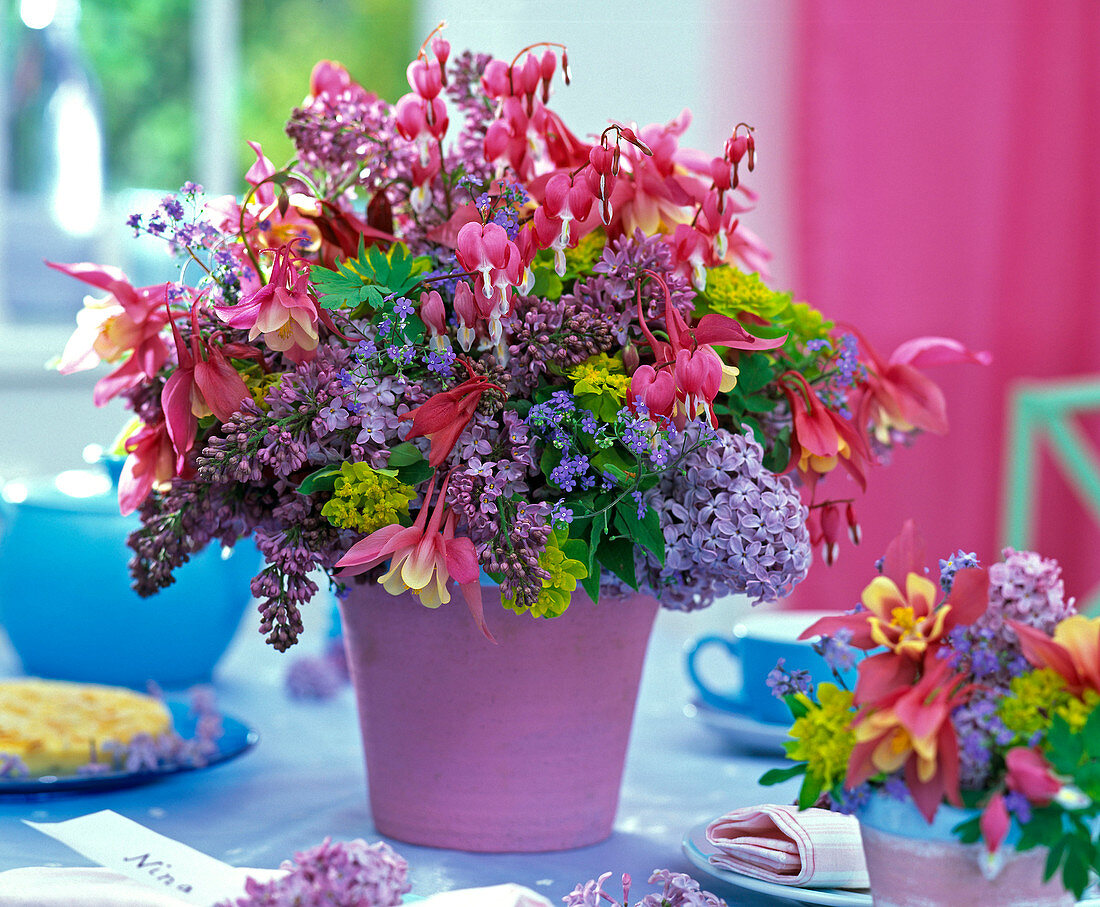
(126, 324)
(897, 396)
(423, 558)
(282, 311)
(150, 463)
(204, 382)
(443, 417)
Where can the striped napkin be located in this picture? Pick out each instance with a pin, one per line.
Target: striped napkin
(811, 848)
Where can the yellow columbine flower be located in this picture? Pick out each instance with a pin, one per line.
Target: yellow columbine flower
(822, 737)
(904, 623)
(365, 499)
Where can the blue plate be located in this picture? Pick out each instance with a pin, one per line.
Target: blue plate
(237, 739)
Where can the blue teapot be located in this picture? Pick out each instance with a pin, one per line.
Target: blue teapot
(65, 597)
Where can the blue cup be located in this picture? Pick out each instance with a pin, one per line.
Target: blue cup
(730, 672)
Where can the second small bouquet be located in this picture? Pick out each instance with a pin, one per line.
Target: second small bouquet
(981, 691)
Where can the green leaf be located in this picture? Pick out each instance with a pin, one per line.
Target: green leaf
(776, 457)
(755, 371)
(547, 283)
(1075, 870)
(415, 473)
(617, 555)
(1091, 733)
(1054, 858)
(646, 532)
(760, 404)
(404, 454)
(798, 708)
(969, 831)
(779, 775)
(575, 549)
(323, 480)
(810, 792)
(548, 462)
(596, 530)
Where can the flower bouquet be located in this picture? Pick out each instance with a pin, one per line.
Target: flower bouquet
(981, 692)
(524, 359)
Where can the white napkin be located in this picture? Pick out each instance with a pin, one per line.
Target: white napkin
(812, 848)
(40, 886)
(510, 895)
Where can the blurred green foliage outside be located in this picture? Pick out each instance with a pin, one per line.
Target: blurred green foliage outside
(140, 56)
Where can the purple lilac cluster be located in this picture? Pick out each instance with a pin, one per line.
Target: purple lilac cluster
(318, 677)
(316, 415)
(349, 138)
(510, 537)
(305, 421)
(379, 402)
(548, 336)
(1024, 587)
(612, 293)
(182, 520)
(677, 890)
(333, 874)
(731, 526)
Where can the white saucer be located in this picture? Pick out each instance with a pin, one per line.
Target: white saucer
(741, 730)
(698, 850)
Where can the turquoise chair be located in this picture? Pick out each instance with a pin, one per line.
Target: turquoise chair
(1043, 412)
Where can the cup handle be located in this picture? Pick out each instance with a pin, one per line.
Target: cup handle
(730, 700)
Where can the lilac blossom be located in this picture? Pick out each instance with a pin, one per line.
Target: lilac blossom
(730, 527)
(349, 138)
(333, 874)
(1023, 587)
(677, 890)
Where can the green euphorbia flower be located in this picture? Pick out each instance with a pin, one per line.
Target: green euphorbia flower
(558, 587)
(367, 499)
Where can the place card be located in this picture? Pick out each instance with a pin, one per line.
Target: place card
(138, 853)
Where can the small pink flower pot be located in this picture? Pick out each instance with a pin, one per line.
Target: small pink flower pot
(513, 747)
(912, 864)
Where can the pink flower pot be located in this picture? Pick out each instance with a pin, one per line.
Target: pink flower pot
(912, 864)
(513, 747)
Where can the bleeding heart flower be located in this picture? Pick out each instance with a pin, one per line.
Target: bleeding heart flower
(1029, 773)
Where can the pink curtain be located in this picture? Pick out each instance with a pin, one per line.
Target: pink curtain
(948, 182)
